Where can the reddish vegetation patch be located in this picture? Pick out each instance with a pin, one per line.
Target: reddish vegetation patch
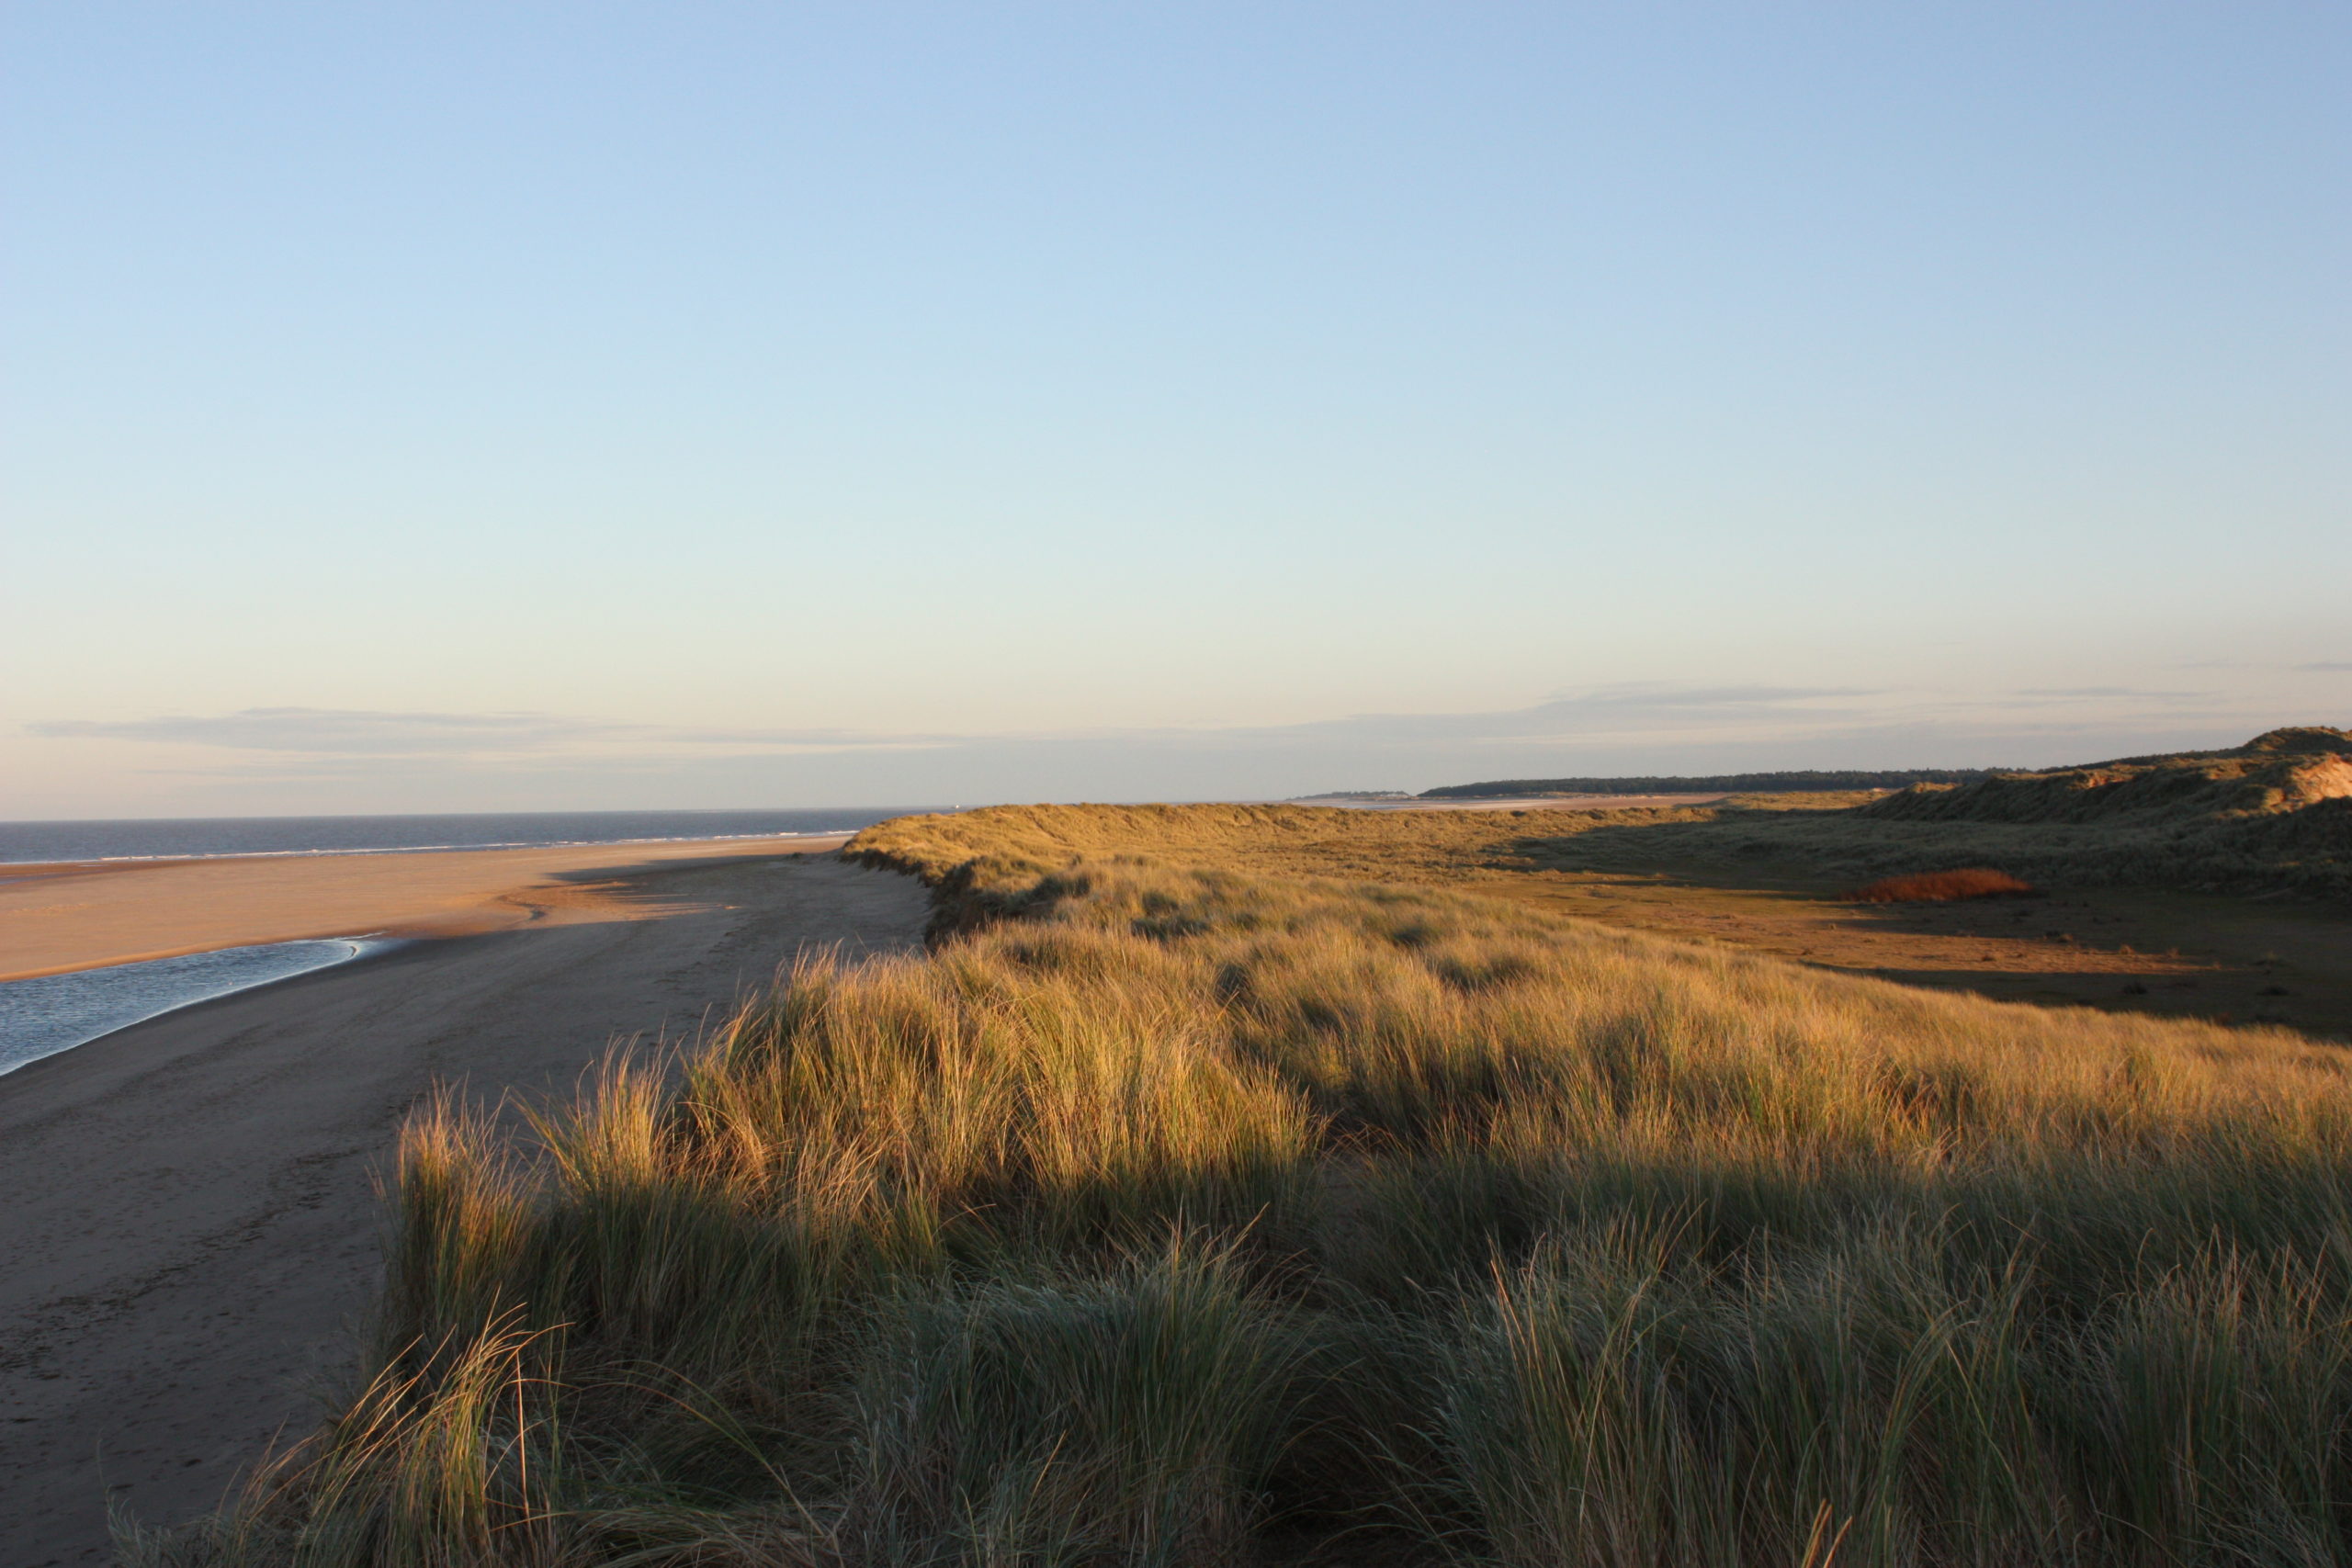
(1938, 886)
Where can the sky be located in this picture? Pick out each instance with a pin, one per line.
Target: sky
(421, 406)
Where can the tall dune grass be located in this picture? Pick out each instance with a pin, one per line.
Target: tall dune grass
(1196, 1217)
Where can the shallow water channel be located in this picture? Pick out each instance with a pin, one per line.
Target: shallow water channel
(51, 1013)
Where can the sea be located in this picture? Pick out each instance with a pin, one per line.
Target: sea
(199, 837)
(49, 1013)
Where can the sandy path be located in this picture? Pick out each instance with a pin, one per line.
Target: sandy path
(187, 1221)
(79, 915)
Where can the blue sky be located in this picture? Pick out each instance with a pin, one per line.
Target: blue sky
(429, 408)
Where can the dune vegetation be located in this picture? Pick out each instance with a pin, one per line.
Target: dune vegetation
(2272, 816)
(1184, 1207)
(1806, 780)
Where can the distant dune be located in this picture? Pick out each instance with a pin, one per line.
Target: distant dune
(2282, 774)
(2274, 813)
(2272, 816)
(1807, 780)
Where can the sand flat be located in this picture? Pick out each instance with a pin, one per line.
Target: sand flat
(82, 915)
(187, 1206)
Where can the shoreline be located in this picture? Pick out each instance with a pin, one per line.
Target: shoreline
(64, 1036)
(71, 916)
(46, 867)
(193, 1225)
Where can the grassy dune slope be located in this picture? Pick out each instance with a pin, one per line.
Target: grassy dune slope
(1007, 858)
(2277, 811)
(1184, 1208)
(2272, 816)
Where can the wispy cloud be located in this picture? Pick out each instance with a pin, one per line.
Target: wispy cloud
(524, 757)
(2322, 666)
(326, 739)
(2104, 692)
(366, 733)
(1652, 694)
(337, 731)
(1569, 717)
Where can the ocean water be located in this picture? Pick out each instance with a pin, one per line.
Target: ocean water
(56, 1012)
(169, 839)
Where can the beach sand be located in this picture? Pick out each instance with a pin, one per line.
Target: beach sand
(186, 1208)
(80, 915)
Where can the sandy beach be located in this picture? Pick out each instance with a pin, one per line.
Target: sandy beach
(80, 915)
(187, 1206)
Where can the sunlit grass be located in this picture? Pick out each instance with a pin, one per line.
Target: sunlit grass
(1197, 1213)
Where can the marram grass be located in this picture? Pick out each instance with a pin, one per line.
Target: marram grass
(1194, 1217)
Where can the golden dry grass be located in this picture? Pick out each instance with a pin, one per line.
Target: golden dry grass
(1182, 1208)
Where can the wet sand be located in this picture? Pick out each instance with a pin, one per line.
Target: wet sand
(186, 1212)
